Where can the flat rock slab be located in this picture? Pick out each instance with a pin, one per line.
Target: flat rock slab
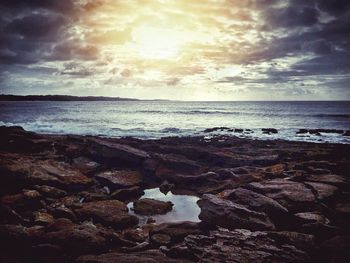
(148, 206)
(323, 191)
(292, 195)
(238, 245)
(149, 256)
(120, 153)
(225, 213)
(48, 172)
(109, 212)
(120, 178)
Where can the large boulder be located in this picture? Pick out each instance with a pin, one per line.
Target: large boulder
(254, 201)
(109, 212)
(148, 206)
(118, 153)
(225, 213)
(294, 196)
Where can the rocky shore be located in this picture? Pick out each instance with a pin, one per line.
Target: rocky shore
(63, 198)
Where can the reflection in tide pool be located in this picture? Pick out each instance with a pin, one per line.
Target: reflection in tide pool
(185, 207)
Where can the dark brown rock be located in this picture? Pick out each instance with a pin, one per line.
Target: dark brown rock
(148, 206)
(237, 246)
(118, 153)
(50, 191)
(127, 193)
(42, 218)
(294, 196)
(119, 178)
(148, 256)
(254, 201)
(85, 165)
(177, 231)
(323, 191)
(225, 213)
(110, 212)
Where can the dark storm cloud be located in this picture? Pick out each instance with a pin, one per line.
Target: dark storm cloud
(291, 16)
(15, 5)
(30, 29)
(274, 41)
(35, 26)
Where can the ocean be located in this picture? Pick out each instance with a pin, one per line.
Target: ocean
(156, 119)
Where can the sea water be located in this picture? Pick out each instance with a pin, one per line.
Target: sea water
(155, 119)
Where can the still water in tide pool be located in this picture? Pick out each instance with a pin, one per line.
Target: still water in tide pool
(185, 207)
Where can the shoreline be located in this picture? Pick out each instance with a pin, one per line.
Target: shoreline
(264, 134)
(64, 199)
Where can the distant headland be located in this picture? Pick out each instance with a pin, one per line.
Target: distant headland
(4, 97)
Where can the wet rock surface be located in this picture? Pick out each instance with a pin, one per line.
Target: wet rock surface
(148, 206)
(64, 199)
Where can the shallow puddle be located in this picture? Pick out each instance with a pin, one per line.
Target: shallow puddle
(185, 207)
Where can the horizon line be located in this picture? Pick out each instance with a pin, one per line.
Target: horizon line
(113, 98)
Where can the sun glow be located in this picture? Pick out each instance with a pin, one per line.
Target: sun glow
(157, 43)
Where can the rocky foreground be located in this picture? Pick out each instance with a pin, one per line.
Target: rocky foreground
(63, 199)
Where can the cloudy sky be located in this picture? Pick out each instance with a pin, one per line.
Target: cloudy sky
(177, 49)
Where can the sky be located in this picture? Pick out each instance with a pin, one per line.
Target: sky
(177, 49)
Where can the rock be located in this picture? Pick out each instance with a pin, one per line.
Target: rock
(110, 212)
(47, 172)
(59, 174)
(117, 153)
(346, 133)
(119, 179)
(177, 231)
(42, 218)
(225, 213)
(323, 191)
(238, 245)
(208, 130)
(312, 217)
(254, 201)
(160, 239)
(302, 131)
(321, 231)
(172, 164)
(78, 239)
(62, 211)
(136, 235)
(85, 165)
(299, 240)
(26, 201)
(294, 196)
(86, 196)
(269, 130)
(127, 193)
(332, 179)
(165, 187)
(50, 191)
(343, 208)
(148, 256)
(16, 139)
(148, 206)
